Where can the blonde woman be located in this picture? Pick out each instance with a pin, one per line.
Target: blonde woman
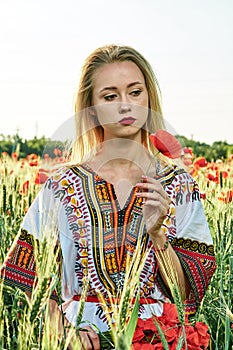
(105, 201)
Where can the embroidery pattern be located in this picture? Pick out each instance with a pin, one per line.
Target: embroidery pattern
(114, 235)
(19, 269)
(193, 245)
(104, 235)
(67, 188)
(198, 262)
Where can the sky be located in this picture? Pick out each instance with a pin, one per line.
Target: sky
(188, 43)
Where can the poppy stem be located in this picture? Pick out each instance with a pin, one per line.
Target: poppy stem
(147, 171)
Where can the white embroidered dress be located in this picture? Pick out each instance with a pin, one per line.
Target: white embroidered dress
(96, 236)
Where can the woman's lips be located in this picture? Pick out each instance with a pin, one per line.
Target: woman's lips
(127, 120)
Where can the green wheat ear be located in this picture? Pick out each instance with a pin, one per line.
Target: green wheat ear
(177, 292)
(162, 335)
(41, 295)
(124, 308)
(179, 304)
(82, 303)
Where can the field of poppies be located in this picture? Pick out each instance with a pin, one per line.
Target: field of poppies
(22, 321)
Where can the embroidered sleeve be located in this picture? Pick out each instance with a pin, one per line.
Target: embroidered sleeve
(198, 261)
(19, 267)
(193, 243)
(188, 232)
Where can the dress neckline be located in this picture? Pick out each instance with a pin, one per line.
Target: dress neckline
(111, 188)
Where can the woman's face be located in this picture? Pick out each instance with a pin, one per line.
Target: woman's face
(120, 100)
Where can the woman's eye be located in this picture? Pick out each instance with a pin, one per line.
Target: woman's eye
(110, 97)
(136, 92)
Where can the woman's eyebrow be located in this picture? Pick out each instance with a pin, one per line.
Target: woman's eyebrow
(115, 88)
(108, 88)
(134, 83)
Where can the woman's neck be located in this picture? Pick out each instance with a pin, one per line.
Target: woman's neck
(121, 161)
(121, 153)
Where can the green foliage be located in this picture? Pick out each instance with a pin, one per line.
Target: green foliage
(217, 306)
(40, 146)
(218, 149)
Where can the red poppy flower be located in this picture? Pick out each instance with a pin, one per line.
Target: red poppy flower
(46, 156)
(203, 195)
(57, 152)
(14, 156)
(24, 188)
(204, 336)
(188, 150)
(211, 177)
(166, 143)
(139, 334)
(158, 346)
(5, 154)
(224, 174)
(200, 162)
(192, 336)
(32, 156)
(170, 333)
(33, 162)
(149, 324)
(146, 337)
(147, 346)
(226, 197)
(41, 177)
(212, 166)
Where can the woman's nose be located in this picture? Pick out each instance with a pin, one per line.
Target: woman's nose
(124, 107)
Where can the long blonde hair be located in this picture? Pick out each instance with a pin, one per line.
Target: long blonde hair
(89, 134)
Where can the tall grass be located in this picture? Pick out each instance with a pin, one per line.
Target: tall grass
(25, 323)
(217, 306)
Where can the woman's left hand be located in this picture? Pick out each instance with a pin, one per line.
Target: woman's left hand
(155, 204)
(89, 339)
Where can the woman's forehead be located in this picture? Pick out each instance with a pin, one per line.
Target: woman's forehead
(117, 73)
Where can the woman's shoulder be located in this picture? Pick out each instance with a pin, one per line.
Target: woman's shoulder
(65, 170)
(62, 174)
(168, 173)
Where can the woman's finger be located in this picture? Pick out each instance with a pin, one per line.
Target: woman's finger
(89, 339)
(84, 340)
(155, 196)
(151, 186)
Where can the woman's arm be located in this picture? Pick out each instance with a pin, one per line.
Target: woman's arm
(168, 260)
(88, 338)
(156, 204)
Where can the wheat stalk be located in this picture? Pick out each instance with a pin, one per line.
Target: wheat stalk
(170, 274)
(121, 307)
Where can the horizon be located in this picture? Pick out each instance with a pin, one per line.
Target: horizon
(53, 139)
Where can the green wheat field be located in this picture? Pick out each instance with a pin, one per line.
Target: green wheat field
(25, 324)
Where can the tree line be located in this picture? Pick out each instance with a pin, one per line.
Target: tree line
(43, 145)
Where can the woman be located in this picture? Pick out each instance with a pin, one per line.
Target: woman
(107, 200)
